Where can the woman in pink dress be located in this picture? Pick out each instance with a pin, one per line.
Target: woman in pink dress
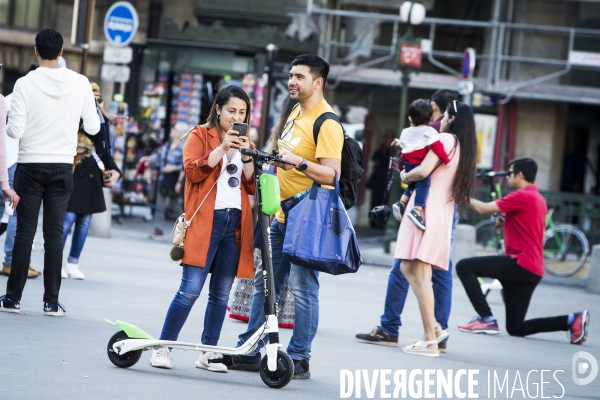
(419, 250)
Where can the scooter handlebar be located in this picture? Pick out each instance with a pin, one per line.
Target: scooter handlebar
(261, 155)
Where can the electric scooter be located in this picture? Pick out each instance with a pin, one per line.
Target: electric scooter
(276, 368)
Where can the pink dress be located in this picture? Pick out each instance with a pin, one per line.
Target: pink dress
(432, 246)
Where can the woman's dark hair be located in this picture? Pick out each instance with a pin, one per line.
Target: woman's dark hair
(463, 126)
(48, 44)
(222, 99)
(443, 97)
(420, 112)
(527, 166)
(286, 109)
(318, 66)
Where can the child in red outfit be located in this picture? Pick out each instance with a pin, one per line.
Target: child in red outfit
(416, 141)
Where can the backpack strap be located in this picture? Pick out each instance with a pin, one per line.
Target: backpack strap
(321, 119)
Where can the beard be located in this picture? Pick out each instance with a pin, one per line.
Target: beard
(300, 95)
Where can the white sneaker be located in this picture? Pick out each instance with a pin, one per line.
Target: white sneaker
(72, 270)
(63, 274)
(203, 362)
(161, 358)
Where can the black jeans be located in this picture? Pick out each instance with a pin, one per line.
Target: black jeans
(518, 285)
(34, 183)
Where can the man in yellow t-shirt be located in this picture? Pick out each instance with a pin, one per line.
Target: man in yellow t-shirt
(313, 163)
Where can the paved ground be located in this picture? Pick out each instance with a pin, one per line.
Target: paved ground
(131, 278)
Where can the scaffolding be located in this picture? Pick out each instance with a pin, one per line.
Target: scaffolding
(497, 60)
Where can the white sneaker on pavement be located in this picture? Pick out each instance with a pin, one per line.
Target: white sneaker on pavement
(72, 270)
(161, 358)
(63, 274)
(203, 363)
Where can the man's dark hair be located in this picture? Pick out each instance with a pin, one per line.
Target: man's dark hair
(420, 112)
(318, 66)
(527, 166)
(48, 44)
(443, 97)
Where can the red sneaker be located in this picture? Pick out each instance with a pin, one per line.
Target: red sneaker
(579, 327)
(478, 325)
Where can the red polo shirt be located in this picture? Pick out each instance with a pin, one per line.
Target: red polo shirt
(524, 227)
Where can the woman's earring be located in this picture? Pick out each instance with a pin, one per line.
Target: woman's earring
(218, 117)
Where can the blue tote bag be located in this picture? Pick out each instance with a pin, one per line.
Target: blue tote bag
(319, 234)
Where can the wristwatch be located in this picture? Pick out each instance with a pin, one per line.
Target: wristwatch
(303, 165)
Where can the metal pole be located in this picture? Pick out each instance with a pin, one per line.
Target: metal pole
(391, 227)
(88, 33)
(264, 121)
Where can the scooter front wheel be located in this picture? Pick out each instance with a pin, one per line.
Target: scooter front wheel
(282, 375)
(126, 360)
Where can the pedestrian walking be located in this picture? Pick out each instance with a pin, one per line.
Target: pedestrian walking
(94, 173)
(521, 269)
(314, 163)
(219, 240)
(169, 162)
(12, 154)
(421, 251)
(46, 108)
(387, 333)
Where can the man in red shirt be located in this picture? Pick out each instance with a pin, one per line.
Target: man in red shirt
(522, 267)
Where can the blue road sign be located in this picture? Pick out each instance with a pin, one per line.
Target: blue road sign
(121, 24)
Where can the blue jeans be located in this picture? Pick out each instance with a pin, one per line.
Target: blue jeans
(421, 187)
(304, 284)
(82, 225)
(222, 261)
(398, 289)
(11, 229)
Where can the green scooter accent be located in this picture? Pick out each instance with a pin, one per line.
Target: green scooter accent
(132, 331)
(269, 194)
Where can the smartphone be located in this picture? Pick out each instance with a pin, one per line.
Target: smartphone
(241, 128)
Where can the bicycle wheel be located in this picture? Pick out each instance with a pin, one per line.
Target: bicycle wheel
(487, 239)
(565, 250)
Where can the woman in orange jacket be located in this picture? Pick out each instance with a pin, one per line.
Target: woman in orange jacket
(219, 240)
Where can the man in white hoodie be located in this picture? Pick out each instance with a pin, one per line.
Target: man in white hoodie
(46, 108)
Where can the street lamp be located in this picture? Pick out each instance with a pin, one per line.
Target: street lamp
(408, 60)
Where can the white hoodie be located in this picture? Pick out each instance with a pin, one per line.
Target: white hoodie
(45, 110)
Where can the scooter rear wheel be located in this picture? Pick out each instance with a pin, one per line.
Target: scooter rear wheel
(282, 375)
(126, 360)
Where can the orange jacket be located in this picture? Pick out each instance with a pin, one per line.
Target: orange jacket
(199, 179)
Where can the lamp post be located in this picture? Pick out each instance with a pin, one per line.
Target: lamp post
(408, 60)
(271, 53)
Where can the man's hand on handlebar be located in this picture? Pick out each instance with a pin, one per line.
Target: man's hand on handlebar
(500, 223)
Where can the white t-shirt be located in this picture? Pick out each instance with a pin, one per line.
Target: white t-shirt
(227, 196)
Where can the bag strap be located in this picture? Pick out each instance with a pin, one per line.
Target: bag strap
(321, 119)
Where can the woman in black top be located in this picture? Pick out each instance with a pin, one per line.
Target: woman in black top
(95, 172)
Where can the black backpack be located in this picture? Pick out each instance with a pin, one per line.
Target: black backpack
(352, 162)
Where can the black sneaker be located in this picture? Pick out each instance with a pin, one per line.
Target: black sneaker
(54, 310)
(241, 363)
(377, 336)
(301, 369)
(7, 305)
(416, 218)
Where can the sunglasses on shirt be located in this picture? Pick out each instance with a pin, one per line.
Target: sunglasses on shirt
(232, 181)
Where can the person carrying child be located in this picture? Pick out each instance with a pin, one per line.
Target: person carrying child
(415, 142)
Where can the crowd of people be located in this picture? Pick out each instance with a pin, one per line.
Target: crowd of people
(439, 152)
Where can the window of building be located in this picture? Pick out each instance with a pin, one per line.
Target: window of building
(4, 12)
(21, 13)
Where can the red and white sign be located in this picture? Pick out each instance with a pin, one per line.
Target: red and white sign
(410, 55)
(584, 58)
